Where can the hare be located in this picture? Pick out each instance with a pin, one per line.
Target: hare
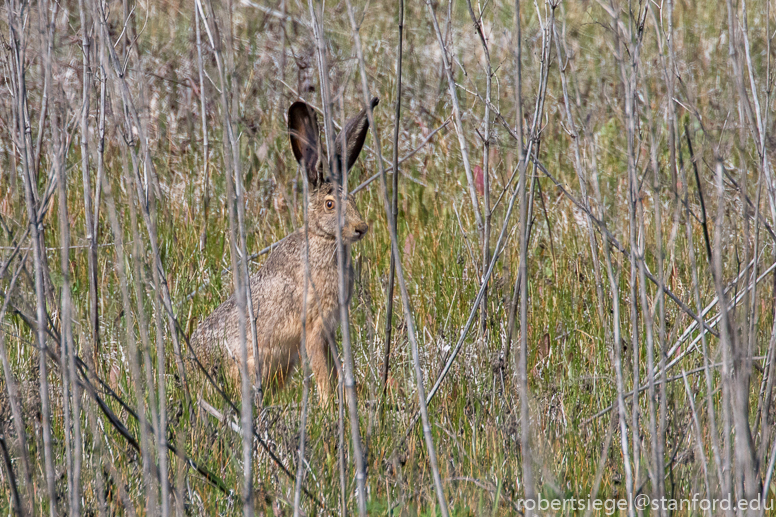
(278, 287)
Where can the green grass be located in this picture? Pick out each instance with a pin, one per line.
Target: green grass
(476, 426)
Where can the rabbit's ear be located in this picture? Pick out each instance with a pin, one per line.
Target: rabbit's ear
(305, 140)
(351, 139)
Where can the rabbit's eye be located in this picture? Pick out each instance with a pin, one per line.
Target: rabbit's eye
(329, 204)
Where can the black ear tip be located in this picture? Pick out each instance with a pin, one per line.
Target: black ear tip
(375, 101)
(297, 109)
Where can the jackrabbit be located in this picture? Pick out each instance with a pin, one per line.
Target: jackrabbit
(277, 288)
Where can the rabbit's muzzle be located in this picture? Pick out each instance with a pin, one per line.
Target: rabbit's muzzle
(358, 232)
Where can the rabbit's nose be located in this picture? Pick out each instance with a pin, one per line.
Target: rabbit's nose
(361, 229)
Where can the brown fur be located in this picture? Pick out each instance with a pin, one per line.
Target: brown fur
(278, 287)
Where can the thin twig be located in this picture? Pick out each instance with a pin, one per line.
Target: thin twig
(239, 270)
(22, 141)
(348, 364)
(409, 321)
(394, 203)
(457, 113)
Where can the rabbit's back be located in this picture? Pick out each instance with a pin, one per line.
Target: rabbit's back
(276, 293)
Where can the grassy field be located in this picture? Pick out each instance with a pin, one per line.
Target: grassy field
(642, 82)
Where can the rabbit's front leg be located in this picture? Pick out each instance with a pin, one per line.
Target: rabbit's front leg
(321, 362)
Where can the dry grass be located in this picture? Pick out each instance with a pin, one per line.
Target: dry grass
(475, 414)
